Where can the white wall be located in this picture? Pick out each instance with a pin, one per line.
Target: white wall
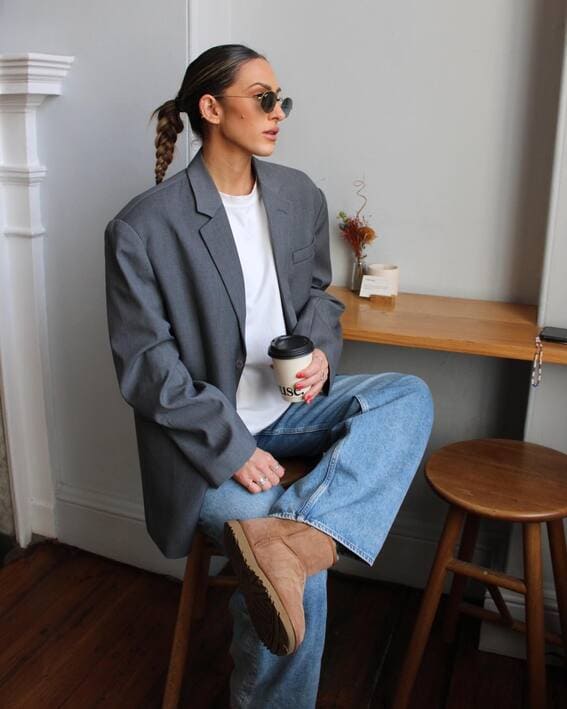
(435, 104)
(445, 108)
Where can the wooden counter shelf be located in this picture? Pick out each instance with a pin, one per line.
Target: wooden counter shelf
(431, 322)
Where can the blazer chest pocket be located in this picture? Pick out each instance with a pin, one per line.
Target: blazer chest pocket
(303, 254)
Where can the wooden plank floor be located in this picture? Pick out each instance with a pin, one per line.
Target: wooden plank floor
(80, 631)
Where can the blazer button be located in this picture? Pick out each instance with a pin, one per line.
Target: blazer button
(239, 363)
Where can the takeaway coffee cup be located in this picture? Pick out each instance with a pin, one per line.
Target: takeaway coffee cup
(290, 354)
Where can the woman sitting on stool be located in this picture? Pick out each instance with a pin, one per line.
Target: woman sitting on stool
(203, 271)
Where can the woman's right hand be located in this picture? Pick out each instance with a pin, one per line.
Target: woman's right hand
(260, 472)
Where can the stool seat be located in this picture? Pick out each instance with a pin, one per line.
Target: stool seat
(501, 479)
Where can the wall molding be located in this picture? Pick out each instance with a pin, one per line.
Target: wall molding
(110, 526)
(43, 516)
(114, 526)
(33, 73)
(26, 80)
(503, 641)
(99, 501)
(22, 174)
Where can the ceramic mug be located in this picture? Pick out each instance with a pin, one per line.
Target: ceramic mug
(388, 271)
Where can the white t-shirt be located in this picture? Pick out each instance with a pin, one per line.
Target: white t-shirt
(258, 400)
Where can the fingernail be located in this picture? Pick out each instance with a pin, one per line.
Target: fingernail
(300, 375)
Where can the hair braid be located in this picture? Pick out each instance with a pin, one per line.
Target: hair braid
(210, 73)
(169, 124)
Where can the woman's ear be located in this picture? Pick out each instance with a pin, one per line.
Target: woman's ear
(210, 109)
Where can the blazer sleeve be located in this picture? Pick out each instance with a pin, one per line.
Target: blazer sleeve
(320, 317)
(152, 378)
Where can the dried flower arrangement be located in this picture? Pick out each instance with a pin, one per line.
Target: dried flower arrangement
(355, 230)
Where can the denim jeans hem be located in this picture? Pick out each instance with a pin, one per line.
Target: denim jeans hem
(368, 558)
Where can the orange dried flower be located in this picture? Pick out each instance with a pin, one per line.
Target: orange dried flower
(356, 232)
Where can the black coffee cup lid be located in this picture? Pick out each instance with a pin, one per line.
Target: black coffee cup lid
(290, 346)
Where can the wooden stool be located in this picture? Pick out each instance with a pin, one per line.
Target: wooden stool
(507, 480)
(194, 590)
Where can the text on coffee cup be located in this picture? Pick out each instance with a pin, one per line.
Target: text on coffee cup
(291, 391)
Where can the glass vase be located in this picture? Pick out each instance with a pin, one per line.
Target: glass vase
(358, 270)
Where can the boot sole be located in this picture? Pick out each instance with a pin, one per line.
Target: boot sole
(268, 613)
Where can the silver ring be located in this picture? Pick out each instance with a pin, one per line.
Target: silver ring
(262, 480)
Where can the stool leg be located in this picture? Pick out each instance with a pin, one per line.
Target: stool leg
(183, 625)
(428, 607)
(202, 587)
(558, 551)
(466, 551)
(534, 614)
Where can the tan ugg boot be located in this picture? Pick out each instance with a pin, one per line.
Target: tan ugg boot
(272, 557)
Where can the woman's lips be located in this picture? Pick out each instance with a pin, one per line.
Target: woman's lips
(271, 134)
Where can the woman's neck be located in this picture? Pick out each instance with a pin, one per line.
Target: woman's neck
(231, 172)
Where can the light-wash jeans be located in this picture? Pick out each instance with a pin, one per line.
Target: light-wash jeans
(372, 431)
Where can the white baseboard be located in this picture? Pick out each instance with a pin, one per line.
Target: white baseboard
(109, 526)
(503, 641)
(42, 518)
(114, 527)
(408, 553)
(403, 559)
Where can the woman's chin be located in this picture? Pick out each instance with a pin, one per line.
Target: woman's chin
(265, 151)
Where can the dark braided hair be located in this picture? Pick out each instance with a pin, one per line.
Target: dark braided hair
(211, 73)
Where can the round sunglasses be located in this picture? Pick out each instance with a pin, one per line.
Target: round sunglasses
(267, 101)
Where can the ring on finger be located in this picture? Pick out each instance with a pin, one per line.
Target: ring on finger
(262, 481)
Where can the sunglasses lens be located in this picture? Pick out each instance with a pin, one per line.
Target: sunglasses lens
(268, 102)
(287, 105)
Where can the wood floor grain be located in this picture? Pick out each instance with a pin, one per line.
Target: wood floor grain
(79, 631)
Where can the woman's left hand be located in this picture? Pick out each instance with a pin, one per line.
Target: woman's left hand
(314, 376)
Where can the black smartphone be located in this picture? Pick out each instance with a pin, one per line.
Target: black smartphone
(554, 334)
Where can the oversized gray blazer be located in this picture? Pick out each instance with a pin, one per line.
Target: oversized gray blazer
(176, 317)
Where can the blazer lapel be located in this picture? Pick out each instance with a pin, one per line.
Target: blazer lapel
(218, 239)
(278, 211)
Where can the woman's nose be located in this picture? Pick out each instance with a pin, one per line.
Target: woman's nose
(278, 112)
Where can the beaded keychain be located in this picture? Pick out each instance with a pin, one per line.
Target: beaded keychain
(537, 363)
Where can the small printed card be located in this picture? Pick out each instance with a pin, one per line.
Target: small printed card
(375, 285)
